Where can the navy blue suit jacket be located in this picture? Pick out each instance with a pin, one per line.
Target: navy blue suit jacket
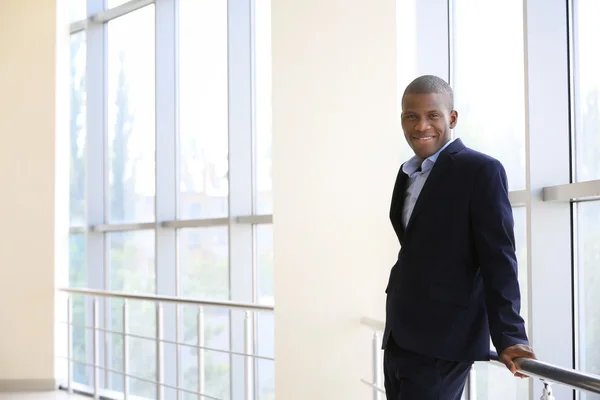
(455, 282)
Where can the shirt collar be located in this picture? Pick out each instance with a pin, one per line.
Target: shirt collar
(411, 167)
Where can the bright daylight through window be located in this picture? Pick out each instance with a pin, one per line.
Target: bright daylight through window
(160, 197)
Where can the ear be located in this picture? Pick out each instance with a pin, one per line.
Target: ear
(453, 118)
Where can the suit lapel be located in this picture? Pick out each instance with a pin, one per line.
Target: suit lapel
(398, 202)
(399, 189)
(437, 174)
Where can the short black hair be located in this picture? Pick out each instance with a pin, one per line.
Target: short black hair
(428, 84)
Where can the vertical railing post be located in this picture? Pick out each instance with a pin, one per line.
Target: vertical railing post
(69, 346)
(96, 349)
(125, 353)
(248, 351)
(376, 366)
(201, 345)
(159, 352)
(547, 391)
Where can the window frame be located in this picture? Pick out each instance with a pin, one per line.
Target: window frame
(241, 219)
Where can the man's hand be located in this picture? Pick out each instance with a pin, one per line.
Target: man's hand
(516, 351)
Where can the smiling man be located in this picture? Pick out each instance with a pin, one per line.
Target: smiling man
(455, 281)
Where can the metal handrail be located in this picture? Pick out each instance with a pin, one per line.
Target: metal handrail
(372, 323)
(548, 373)
(553, 373)
(250, 359)
(169, 299)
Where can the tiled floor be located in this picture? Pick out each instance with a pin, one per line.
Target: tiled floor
(58, 395)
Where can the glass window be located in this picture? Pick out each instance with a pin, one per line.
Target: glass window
(131, 127)
(263, 107)
(201, 255)
(265, 320)
(203, 109)
(131, 257)
(77, 10)
(141, 326)
(77, 129)
(217, 368)
(115, 3)
(264, 259)
(587, 90)
(204, 268)
(77, 254)
(495, 382)
(78, 278)
(488, 81)
(406, 25)
(131, 269)
(266, 348)
(204, 263)
(588, 307)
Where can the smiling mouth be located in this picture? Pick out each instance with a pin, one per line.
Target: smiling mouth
(423, 139)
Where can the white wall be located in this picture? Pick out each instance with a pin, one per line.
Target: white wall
(336, 152)
(27, 174)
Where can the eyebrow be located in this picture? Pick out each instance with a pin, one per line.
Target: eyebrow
(428, 111)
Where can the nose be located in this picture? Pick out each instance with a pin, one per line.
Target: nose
(422, 125)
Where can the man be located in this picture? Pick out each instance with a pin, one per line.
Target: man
(455, 282)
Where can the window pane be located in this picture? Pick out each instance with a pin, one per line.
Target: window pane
(204, 263)
(115, 3)
(406, 25)
(588, 307)
(203, 105)
(77, 129)
(264, 259)
(131, 116)
(265, 320)
(78, 278)
(587, 90)
(77, 263)
(494, 382)
(132, 270)
(204, 269)
(264, 137)
(131, 257)
(489, 76)
(266, 348)
(215, 322)
(77, 10)
(141, 325)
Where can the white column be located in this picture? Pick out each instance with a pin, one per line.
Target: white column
(336, 141)
(34, 201)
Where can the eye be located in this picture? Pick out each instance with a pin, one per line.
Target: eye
(410, 117)
(434, 115)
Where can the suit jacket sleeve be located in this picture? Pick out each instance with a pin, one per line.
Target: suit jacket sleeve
(493, 228)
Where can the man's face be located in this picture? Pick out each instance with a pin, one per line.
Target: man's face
(426, 122)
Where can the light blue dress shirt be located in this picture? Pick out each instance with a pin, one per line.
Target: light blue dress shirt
(416, 181)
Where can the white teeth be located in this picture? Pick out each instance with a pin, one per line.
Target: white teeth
(425, 138)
